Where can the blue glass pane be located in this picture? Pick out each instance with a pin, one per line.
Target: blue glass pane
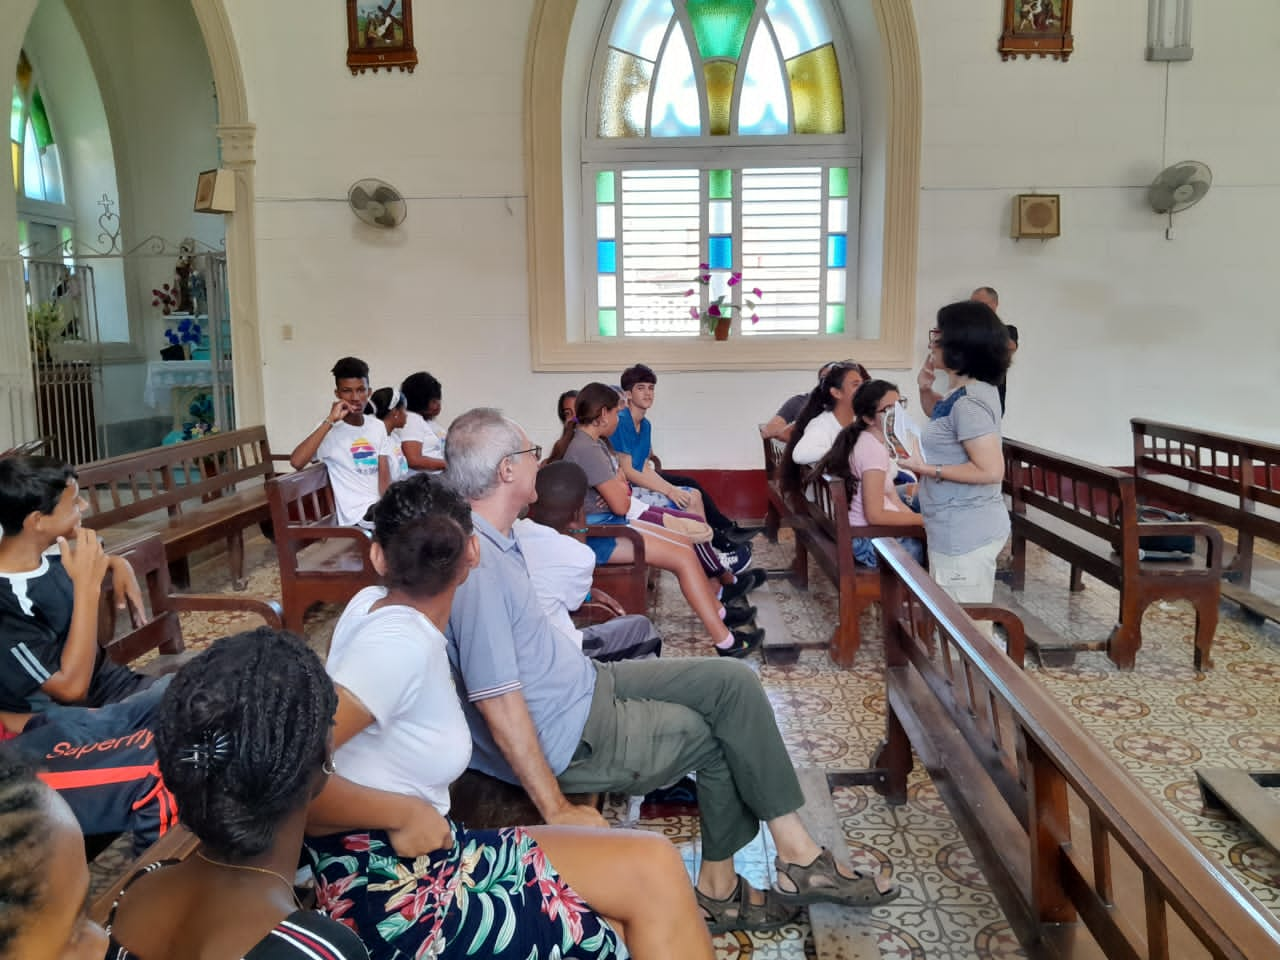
(762, 108)
(720, 253)
(677, 111)
(837, 249)
(799, 25)
(640, 27)
(607, 256)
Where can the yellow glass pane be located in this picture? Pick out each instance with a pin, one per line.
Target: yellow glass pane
(24, 72)
(719, 75)
(816, 95)
(17, 166)
(624, 95)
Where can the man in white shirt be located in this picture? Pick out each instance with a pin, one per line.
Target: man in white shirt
(561, 568)
(351, 445)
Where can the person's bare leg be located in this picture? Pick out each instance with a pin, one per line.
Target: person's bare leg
(796, 846)
(636, 881)
(694, 584)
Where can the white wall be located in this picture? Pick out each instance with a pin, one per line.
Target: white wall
(1116, 320)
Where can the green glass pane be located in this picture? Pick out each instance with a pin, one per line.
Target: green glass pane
(608, 322)
(835, 318)
(15, 116)
(839, 181)
(720, 26)
(624, 95)
(40, 122)
(720, 184)
(604, 186)
(719, 75)
(815, 91)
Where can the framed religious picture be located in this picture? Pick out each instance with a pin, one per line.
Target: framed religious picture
(380, 34)
(1040, 27)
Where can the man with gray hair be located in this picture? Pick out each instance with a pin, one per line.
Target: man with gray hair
(544, 716)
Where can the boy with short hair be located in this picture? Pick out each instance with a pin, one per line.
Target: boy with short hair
(49, 650)
(353, 447)
(561, 567)
(633, 443)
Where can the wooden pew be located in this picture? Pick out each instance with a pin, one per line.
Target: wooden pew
(1083, 861)
(1231, 481)
(627, 583)
(780, 511)
(1088, 515)
(178, 843)
(192, 494)
(828, 538)
(320, 561)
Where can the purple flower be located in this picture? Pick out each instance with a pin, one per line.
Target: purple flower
(693, 312)
(713, 310)
(704, 266)
(734, 279)
(704, 278)
(755, 318)
(757, 292)
(689, 292)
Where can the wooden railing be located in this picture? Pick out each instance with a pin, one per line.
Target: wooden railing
(1082, 861)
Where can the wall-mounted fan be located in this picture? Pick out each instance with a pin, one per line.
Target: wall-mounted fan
(377, 203)
(1179, 187)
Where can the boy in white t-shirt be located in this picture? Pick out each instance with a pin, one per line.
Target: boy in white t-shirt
(421, 438)
(351, 445)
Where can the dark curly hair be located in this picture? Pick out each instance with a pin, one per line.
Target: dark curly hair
(973, 341)
(241, 734)
(419, 390)
(423, 528)
(30, 485)
(350, 368)
(23, 850)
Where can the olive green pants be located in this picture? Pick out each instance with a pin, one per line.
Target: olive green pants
(653, 721)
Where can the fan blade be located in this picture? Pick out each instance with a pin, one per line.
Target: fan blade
(359, 197)
(385, 220)
(1189, 194)
(385, 194)
(1160, 196)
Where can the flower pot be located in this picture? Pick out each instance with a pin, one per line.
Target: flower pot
(174, 351)
(723, 325)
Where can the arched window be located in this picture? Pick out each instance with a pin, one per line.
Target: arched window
(37, 169)
(721, 141)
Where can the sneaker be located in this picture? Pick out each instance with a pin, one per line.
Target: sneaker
(744, 641)
(737, 616)
(743, 585)
(736, 534)
(736, 560)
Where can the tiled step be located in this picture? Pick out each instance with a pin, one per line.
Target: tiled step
(781, 644)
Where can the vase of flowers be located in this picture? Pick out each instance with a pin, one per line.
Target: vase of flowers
(46, 325)
(717, 318)
(185, 337)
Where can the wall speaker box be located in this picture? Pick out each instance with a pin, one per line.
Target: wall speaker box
(216, 191)
(1035, 215)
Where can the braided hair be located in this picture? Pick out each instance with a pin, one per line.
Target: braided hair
(241, 734)
(423, 528)
(23, 847)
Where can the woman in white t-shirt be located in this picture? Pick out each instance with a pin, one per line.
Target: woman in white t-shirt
(421, 438)
(389, 407)
(399, 728)
(861, 455)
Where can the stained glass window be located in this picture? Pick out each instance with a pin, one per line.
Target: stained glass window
(37, 168)
(724, 150)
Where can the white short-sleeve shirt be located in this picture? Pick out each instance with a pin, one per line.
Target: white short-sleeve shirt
(351, 454)
(418, 428)
(393, 660)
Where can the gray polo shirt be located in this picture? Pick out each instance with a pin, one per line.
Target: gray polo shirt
(961, 517)
(501, 641)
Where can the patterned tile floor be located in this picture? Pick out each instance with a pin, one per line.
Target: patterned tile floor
(1159, 721)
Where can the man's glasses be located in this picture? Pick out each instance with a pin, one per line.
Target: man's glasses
(536, 450)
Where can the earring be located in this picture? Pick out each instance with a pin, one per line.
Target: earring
(328, 768)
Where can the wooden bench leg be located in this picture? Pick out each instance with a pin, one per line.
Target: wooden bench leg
(772, 523)
(1126, 637)
(1077, 579)
(1018, 563)
(180, 573)
(846, 637)
(894, 758)
(1206, 627)
(800, 565)
(235, 558)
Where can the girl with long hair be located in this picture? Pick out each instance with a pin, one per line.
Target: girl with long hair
(828, 410)
(585, 442)
(861, 456)
(390, 406)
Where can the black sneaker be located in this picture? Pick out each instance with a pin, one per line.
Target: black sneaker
(736, 534)
(744, 641)
(745, 583)
(737, 615)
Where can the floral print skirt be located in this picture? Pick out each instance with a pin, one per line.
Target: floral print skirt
(493, 894)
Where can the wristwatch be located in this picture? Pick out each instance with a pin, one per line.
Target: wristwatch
(325, 421)
(937, 473)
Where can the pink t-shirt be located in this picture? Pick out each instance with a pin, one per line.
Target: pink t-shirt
(870, 453)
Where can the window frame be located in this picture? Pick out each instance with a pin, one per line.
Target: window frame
(552, 173)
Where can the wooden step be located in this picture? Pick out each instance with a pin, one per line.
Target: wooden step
(1245, 794)
(1050, 648)
(780, 647)
(1256, 607)
(839, 933)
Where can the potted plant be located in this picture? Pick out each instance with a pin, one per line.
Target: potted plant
(186, 336)
(717, 318)
(46, 324)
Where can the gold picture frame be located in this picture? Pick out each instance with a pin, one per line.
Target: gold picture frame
(380, 34)
(1037, 27)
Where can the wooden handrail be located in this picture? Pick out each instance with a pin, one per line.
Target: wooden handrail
(1050, 885)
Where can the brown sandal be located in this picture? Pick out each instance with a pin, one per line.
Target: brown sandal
(821, 882)
(738, 912)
